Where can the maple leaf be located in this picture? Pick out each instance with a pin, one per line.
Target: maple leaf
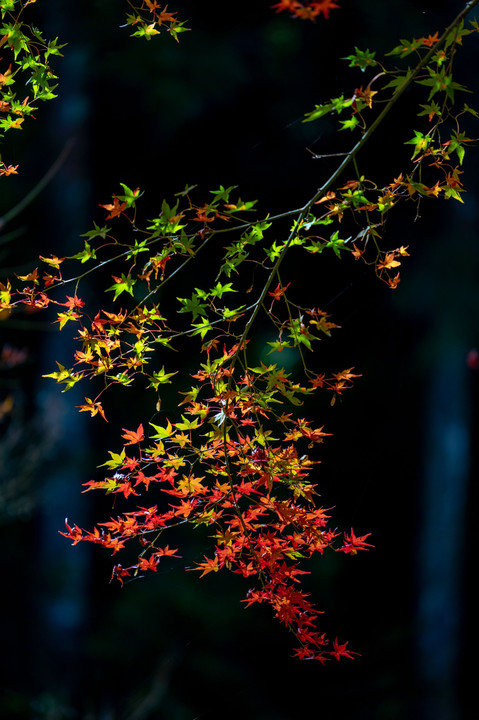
(304, 653)
(31, 276)
(123, 284)
(357, 252)
(74, 533)
(290, 5)
(167, 552)
(420, 141)
(93, 408)
(129, 463)
(126, 489)
(65, 376)
(312, 9)
(353, 543)
(119, 572)
(278, 292)
(324, 6)
(345, 375)
(207, 566)
(114, 209)
(165, 16)
(365, 95)
(54, 261)
(133, 436)
(430, 40)
(72, 302)
(340, 651)
(151, 564)
(145, 479)
(388, 262)
(117, 460)
(434, 190)
(394, 282)
(152, 6)
(8, 170)
(202, 214)
(63, 318)
(108, 484)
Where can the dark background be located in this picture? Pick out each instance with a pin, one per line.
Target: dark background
(225, 106)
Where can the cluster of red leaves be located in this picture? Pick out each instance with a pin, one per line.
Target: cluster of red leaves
(306, 10)
(254, 493)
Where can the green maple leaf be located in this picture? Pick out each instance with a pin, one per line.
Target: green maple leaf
(193, 305)
(123, 284)
(361, 59)
(86, 254)
(350, 124)
(219, 289)
(160, 378)
(64, 376)
(116, 461)
(420, 142)
(97, 232)
(187, 424)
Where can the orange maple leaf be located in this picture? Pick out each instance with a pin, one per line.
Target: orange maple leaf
(388, 262)
(207, 566)
(394, 282)
(93, 408)
(73, 302)
(8, 170)
(167, 552)
(430, 40)
(166, 17)
(357, 252)
(133, 436)
(114, 209)
(152, 6)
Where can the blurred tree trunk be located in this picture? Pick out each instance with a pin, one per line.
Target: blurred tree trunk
(62, 572)
(452, 302)
(442, 532)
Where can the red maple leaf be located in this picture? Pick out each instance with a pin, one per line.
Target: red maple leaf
(74, 533)
(151, 564)
(167, 552)
(119, 572)
(306, 11)
(290, 5)
(323, 6)
(353, 543)
(146, 479)
(340, 650)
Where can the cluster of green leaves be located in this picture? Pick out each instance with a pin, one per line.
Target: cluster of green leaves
(25, 63)
(234, 455)
(439, 145)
